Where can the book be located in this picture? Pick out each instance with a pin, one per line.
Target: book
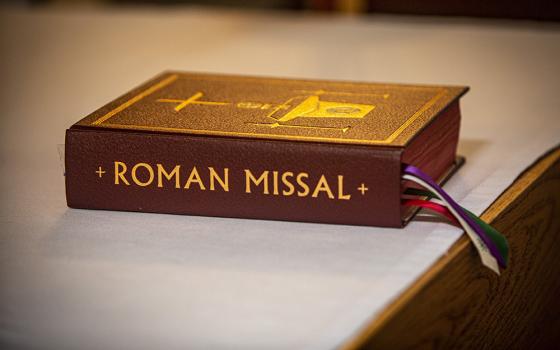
(262, 148)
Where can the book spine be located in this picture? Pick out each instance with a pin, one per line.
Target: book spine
(233, 177)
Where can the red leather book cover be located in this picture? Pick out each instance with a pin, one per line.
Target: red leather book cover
(263, 148)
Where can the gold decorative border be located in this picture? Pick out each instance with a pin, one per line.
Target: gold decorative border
(101, 122)
(137, 98)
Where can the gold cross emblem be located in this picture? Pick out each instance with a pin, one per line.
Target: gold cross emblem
(100, 171)
(191, 100)
(363, 189)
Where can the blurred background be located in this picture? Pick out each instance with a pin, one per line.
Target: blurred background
(69, 278)
(541, 10)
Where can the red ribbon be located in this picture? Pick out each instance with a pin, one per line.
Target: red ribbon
(437, 208)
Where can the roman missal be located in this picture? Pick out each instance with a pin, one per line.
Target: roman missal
(268, 148)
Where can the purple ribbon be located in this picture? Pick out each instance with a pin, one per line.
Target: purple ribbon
(414, 171)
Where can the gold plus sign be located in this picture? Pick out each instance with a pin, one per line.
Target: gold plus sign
(363, 189)
(191, 100)
(100, 171)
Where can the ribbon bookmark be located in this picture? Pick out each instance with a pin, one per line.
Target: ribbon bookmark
(439, 207)
(490, 244)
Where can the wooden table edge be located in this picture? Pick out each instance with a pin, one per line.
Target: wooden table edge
(523, 182)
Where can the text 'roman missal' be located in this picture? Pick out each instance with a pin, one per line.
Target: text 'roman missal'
(266, 182)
